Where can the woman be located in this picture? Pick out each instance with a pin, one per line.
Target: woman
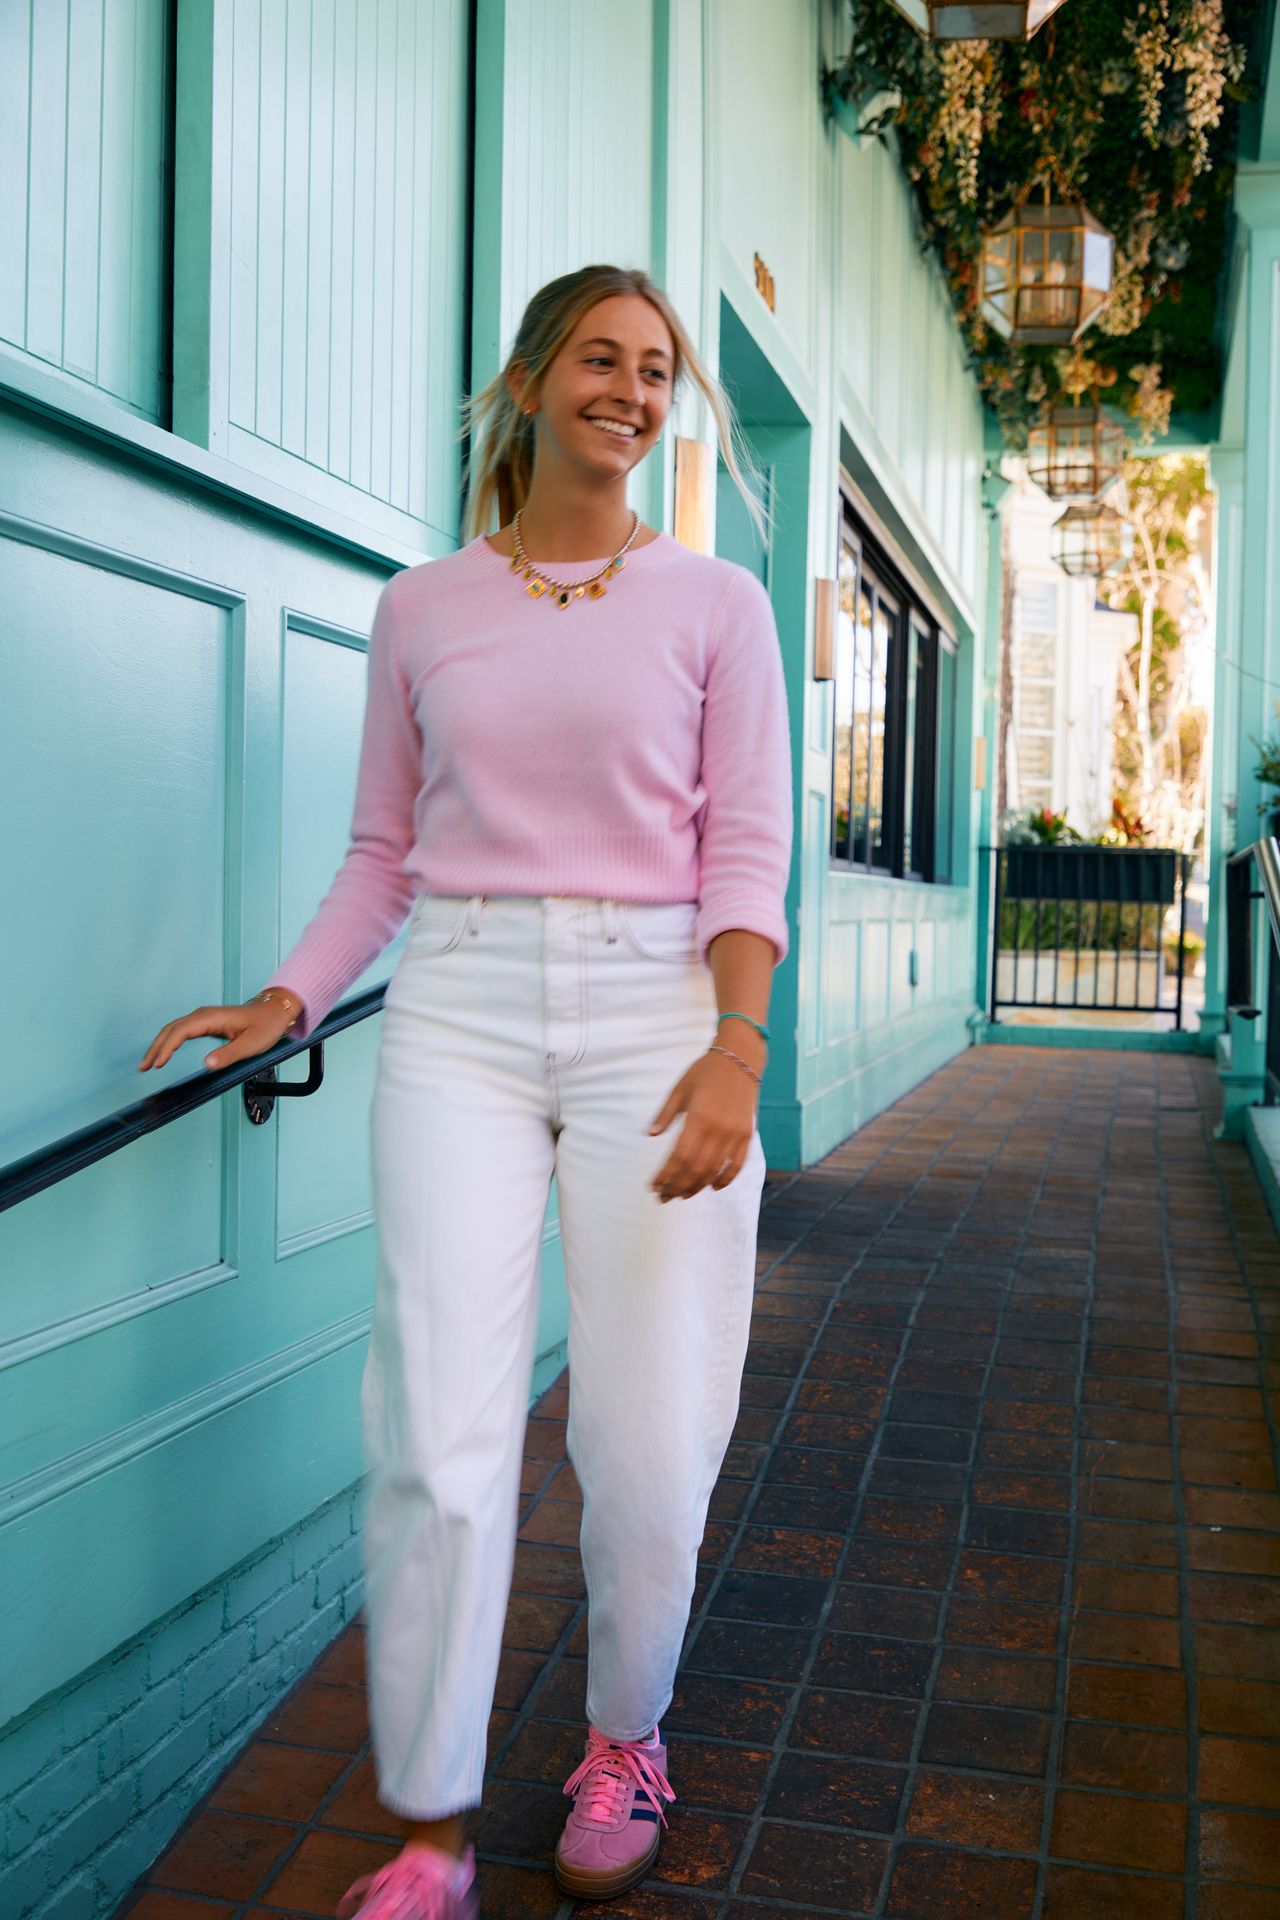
(576, 770)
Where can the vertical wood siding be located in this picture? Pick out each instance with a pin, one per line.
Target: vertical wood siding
(83, 191)
(346, 204)
(577, 142)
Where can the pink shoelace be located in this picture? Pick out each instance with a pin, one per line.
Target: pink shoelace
(609, 1767)
(413, 1886)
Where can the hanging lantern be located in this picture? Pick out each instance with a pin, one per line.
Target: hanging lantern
(1075, 453)
(977, 19)
(1092, 540)
(1046, 271)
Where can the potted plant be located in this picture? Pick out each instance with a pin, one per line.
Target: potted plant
(1046, 859)
(1267, 774)
(1192, 953)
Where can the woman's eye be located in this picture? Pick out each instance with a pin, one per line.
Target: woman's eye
(605, 360)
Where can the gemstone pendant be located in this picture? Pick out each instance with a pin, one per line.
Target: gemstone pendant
(578, 592)
(517, 563)
(536, 589)
(597, 590)
(619, 562)
(564, 599)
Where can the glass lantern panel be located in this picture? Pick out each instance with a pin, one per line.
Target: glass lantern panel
(1064, 249)
(1074, 471)
(1034, 253)
(1091, 304)
(1099, 260)
(998, 289)
(1048, 309)
(983, 20)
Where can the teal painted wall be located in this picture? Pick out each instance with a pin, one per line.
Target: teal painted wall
(862, 341)
(1245, 465)
(189, 573)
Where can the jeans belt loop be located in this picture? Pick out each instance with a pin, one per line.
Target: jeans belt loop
(474, 905)
(610, 921)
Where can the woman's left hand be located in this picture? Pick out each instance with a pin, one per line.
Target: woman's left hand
(719, 1101)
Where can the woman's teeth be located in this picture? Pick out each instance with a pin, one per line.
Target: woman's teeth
(615, 427)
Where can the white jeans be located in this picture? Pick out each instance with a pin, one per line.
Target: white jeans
(524, 1036)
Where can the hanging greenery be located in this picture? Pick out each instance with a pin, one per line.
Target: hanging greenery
(1139, 116)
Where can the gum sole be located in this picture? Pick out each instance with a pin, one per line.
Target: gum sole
(604, 1886)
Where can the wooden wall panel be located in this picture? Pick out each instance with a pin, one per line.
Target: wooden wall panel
(83, 161)
(338, 169)
(577, 142)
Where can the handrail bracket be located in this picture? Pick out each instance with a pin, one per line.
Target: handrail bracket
(264, 1089)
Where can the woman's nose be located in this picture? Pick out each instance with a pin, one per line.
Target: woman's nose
(630, 387)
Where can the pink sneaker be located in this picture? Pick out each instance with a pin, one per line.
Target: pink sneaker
(422, 1883)
(610, 1840)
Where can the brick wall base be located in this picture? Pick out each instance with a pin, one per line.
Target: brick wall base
(95, 1780)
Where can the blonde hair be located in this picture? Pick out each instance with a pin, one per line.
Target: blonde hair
(499, 467)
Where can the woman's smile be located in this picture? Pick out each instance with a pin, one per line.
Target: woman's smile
(620, 428)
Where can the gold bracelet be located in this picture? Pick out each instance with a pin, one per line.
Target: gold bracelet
(741, 1062)
(270, 993)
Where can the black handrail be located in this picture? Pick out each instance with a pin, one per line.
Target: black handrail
(75, 1151)
(1241, 894)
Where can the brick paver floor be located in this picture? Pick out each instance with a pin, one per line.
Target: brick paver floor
(986, 1618)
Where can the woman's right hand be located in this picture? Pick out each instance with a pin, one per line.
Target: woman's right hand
(250, 1028)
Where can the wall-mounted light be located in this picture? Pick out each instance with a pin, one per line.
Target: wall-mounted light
(695, 477)
(824, 629)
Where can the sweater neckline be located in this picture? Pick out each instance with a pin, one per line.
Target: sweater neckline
(582, 569)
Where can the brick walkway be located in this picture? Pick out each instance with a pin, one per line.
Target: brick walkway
(986, 1622)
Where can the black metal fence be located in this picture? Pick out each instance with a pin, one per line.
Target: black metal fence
(1088, 928)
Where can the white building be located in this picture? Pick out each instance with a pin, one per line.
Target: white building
(1065, 650)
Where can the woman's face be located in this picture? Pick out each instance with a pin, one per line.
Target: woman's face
(606, 394)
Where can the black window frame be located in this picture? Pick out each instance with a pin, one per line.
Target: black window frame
(875, 567)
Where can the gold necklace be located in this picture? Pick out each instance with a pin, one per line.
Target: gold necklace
(563, 591)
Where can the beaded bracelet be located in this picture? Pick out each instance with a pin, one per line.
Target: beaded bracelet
(738, 1057)
(762, 1031)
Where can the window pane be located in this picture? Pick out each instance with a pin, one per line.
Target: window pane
(1033, 703)
(844, 665)
(917, 640)
(862, 721)
(946, 760)
(883, 636)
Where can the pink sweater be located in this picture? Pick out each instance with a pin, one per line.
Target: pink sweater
(634, 747)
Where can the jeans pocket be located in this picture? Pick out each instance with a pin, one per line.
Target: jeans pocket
(436, 924)
(661, 930)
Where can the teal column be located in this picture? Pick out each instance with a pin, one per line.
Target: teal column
(1258, 669)
(985, 711)
(486, 231)
(1221, 806)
